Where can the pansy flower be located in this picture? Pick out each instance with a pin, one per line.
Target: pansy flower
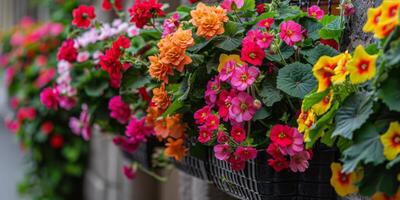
(324, 105)
(323, 71)
(391, 141)
(362, 67)
(344, 184)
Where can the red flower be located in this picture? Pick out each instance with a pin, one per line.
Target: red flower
(129, 172)
(330, 42)
(274, 150)
(238, 134)
(237, 162)
(282, 135)
(252, 53)
(142, 12)
(49, 97)
(67, 51)
(83, 16)
(193, 1)
(246, 153)
(121, 42)
(26, 113)
(47, 127)
(212, 122)
(107, 5)
(205, 135)
(202, 114)
(260, 8)
(279, 163)
(57, 141)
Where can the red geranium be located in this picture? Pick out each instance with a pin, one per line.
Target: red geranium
(107, 5)
(57, 141)
(252, 53)
(67, 51)
(142, 12)
(260, 8)
(47, 127)
(282, 135)
(83, 16)
(278, 163)
(238, 134)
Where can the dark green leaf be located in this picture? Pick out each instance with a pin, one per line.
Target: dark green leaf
(175, 106)
(312, 55)
(269, 93)
(262, 113)
(132, 79)
(286, 52)
(353, 114)
(229, 43)
(379, 179)
(248, 5)
(389, 92)
(96, 88)
(296, 79)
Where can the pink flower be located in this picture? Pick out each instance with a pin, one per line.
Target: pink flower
(14, 102)
(49, 97)
(225, 102)
(9, 76)
(316, 12)
(299, 162)
(201, 115)
(227, 4)
(222, 137)
(222, 151)
(264, 40)
(213, 87)
(205, 135)
(82, 56)
(171, 25)
(138, 129)
(67, 102)
(266, 23)
(127, 144)
(238, 134)
(227, 70)
(11, 125)
(274, 150)
(243, 77)
(129, 172)
(45, 76)
(290, 32)
(212, 122)
(282, 135)
(252, 36)
(247, 153)
(26, 113)
(297, 144)
(252, 53)
(133, 31)
(81, 126)
(119, 110)
(242, 108)
(278, 163)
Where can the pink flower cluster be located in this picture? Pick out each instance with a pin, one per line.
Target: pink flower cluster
(82, 126)
(255, 42)
(287, 141)
(119, 110)
(171, 25)
(66, 92)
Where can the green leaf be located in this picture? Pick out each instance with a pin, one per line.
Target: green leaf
(322, 123)
(367, 149)
(327, 19)
(231, 28)
(248, 5)
(379, 179)
(296, 79)
(71, 153)
(353, 114)
(392, 57)
(332, 30)
(372, 49)
(389, 92)
(312, 26)
(313, 98)
(229, 43)
(269, 93)
(95, 88)
(312, 55)
(286, 52)
(393, 162)
(262, 113)
(175, 106)
(132, 79)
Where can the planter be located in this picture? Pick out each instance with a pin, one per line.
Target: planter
(143, 155)
(257, 181)
(329, 6)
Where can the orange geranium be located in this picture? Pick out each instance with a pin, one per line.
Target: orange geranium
(383, 196)
(344, 184)
(209, 20)
(158, 70)
(183, 38)
(161, 98)
(175, 148)
(173, 55)
(170, 126)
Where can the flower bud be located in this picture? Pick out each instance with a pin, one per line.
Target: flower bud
(257, 104)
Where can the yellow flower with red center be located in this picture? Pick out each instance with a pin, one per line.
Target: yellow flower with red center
(362, 67)
(388, 20)
(324, 70)
(374, 15)
(344, 184)
(341, 70)
(323, 106)
(224, 58)
(391, 141)
(305, 121)
(383, 196)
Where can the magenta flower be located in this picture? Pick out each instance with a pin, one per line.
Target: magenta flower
(201, 115)
(129, 172)
(81, 126)
(127, 144)
(212, 122)
(49, 97)
(243, 77)
(225, 102)
(299, 162)
(237, 162)
(67, 102)
(238, 134)
(227, 71)
(227, 4)
(264, 40)
(246, 153)
(222, 151)
(222, 137)
(315, 12)
(138, 129)
(290, 32)
(119, 110)
(297, 144)
(266, 23)
(213, 87)
(171, 25)
(205, 135)
(252, 36)
(242, 108)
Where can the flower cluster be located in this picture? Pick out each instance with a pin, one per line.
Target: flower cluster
(383, 19)
(287, 141)
(143, 11)
(209, 20)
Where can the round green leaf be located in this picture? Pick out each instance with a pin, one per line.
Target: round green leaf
(296, 80)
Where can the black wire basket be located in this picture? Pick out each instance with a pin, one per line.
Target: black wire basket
(328, 6)
(257, 181)
(143, 155)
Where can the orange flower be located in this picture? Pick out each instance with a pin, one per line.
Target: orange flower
(183, 38)
(153, 112)
(324, 70)
(170, 126)
(159, 70)
(171, 54)
(209, 20)
(161, 129)
(175, 148)
(383, 196)
(160, 97)
(344, 184)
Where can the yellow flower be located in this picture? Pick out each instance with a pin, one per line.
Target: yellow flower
(391, 141)
(362, 67)
(374, 15)
(383, 196)
(384, 20)
(306, 120)
(323, 71)
(223, 59)
(323, 106)
(341, 70)
(344, 184)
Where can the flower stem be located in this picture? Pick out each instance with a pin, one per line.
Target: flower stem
(152, 174)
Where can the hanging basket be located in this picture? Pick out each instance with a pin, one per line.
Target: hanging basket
(329, 6)
(257, 181)
(143, 155)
